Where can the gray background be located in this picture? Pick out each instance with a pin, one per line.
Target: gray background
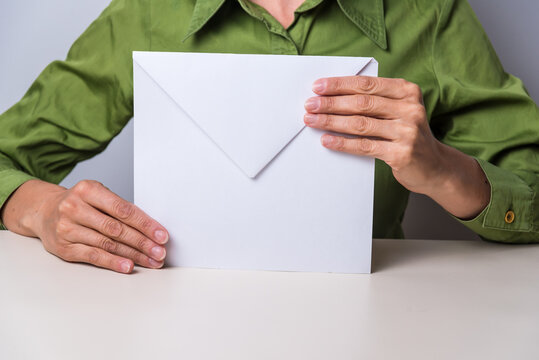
(35, 32)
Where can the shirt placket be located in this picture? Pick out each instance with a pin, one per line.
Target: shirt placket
(282, 43)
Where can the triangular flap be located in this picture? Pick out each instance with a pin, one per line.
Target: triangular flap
(250, 106)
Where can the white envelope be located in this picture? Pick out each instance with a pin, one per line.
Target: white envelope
(223, 160)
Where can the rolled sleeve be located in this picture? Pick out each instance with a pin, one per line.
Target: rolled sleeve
(76, 106)
(509, 194)
(488, 114)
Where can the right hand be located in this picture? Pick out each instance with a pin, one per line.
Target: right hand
(87, 223)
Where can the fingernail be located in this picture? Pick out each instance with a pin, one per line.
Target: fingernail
(161, 236)
(154, 263)
(318, 86)
(327, 140)
(158, 252)
(125, 266)
(312, 104)
(309, 119)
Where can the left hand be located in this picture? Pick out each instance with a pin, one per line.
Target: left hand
(389, 121)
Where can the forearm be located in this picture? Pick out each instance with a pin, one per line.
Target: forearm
(24, 207)
(462, 189)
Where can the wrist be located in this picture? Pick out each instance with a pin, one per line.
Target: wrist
(461, 187)
(441, 173)
(26, 209)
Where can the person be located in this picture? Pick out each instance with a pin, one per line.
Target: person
(443, 119)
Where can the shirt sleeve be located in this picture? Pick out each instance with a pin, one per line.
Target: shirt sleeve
(75, 107)
(488, 114)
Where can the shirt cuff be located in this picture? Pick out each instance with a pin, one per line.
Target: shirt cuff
(11, 180)
(509, 215)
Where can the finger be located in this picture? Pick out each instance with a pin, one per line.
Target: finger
(105, 200)
(116, 230)
(357, 146)
(367, 85)
(84, 235)
(366, 105)
(352, 124)
(99, 257)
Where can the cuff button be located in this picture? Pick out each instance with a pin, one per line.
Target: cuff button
(509, 217)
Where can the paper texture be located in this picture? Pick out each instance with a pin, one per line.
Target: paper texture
(224, 162)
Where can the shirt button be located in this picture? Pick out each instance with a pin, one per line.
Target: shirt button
(509, 216)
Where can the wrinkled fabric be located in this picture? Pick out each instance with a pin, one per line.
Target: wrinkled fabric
(76, 106)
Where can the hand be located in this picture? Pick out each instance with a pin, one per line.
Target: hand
(389, 121)
(87, 223)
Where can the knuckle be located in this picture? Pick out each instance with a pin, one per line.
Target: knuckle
(328, 102)
(409, 132)
(413, 136)
(123, 209)
(361, 125)
(84, 186)
(66, 254)
(365, 103)
(65, 207)
(338, 84)
(418, 113)
(402, 83)
(63, 227)
(81, 187)
(142, 243)
(325, 121)
(365, 146)
(339, 144)
(404, 157)
(367, 84)
(145, 224)
(112, 227)
(93, 256)
(137, 257)
(414, 91)
(51, 245)
(108, 245)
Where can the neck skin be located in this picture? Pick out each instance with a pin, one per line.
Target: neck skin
(282, 10)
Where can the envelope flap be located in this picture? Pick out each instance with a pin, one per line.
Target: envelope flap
(250, 106)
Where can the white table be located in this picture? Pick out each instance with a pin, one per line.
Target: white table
(425, 300)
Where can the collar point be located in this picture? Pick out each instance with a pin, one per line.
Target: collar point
(187, 36)
(382, 43)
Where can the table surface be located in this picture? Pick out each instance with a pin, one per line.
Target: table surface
(424, 300)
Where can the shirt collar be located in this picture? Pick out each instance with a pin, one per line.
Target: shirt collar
(367, 15)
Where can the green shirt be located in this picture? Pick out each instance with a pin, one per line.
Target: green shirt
(75, 107)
